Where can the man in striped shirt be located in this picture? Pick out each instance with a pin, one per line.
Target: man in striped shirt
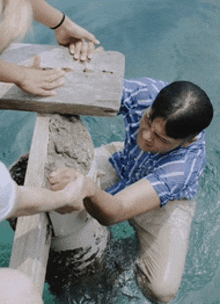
(159, 165)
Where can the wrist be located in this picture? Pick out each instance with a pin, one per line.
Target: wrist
(20, 76)
(60, 23)
(11, 73)
(65, 24)
(90, 187)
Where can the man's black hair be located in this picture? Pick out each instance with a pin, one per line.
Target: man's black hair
(185, 107)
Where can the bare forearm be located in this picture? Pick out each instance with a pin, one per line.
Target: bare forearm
(132, 201)
(33, 200)
(45, 13)
(106, 208)
(10, 72)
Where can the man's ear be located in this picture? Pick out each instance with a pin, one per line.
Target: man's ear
(188, 142)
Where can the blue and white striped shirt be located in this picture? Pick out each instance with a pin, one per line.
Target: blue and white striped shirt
(175, 174)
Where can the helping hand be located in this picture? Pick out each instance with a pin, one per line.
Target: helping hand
(72, 35)
(61, 177)
(71, 183)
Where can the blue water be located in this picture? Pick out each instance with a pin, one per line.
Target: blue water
(169, 40)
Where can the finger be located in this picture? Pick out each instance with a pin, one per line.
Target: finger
(53, 85)
(91, 48)
(42, 92)
(52, 75)
(57, 171)
(90, 37)
(36, 62)
(58, 178)
(84, 49)
(77, 50)
(71, 48)
(59, 186)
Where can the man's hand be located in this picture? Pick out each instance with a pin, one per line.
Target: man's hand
(61, 177)
(72, 35)
(73, 193)
(71, 183)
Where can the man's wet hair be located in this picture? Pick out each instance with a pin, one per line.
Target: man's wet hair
(185, 107)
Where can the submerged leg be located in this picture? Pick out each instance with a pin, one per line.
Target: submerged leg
(163, 237)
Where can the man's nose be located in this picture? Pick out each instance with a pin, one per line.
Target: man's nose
(147, 136)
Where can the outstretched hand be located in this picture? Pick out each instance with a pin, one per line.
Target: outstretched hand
(74, 36)
(71, 183)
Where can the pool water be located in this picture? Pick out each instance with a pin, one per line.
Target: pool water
(170, 40)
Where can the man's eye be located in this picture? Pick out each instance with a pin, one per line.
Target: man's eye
(163, 141)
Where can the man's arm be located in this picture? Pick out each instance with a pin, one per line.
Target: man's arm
(134, 200)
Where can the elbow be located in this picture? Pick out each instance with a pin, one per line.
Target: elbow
(103, 214)
(105, 221)
(106, 218)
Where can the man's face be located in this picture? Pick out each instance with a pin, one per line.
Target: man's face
(152, 135)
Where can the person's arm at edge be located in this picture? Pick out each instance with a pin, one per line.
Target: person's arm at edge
(45, 13)
(69, 33)
(51, 17)
(134, 200)
(10, 72)
(31, 80)
(31, 201)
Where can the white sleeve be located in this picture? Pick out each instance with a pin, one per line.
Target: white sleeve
(7, 193)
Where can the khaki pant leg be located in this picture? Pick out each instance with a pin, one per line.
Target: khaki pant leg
(106, 172)
(163, 237)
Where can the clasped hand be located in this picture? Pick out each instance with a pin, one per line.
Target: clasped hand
(71, 183)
